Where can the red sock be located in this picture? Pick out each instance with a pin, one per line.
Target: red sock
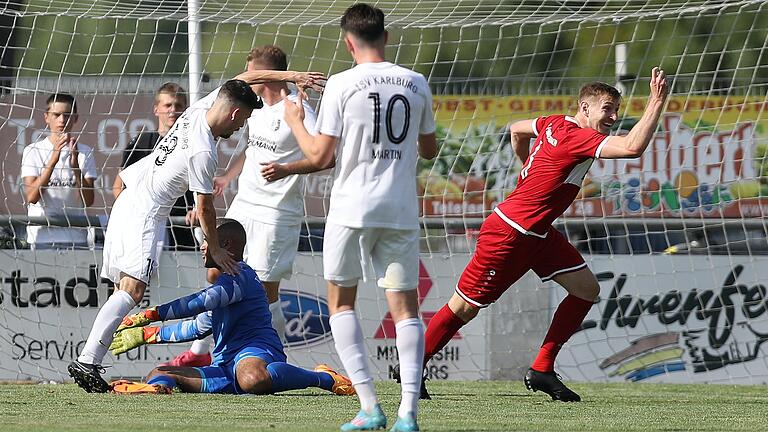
(568, 317)
(443, 325)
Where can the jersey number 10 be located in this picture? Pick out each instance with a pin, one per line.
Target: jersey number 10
(394, 139)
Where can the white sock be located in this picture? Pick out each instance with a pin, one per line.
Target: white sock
(410, 350)
(201, 346)
(278, 319)
(107, 320)
(348, 338)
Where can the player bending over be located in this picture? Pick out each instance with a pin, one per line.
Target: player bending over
(248, 355)
(518, 236)
(185, 159)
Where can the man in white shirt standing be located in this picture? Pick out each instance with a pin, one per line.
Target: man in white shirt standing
(186, 158)
(376, 112)
(269, 202)
(58, 175)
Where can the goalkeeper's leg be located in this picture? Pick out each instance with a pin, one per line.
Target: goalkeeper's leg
(163, 379)
(257, 372)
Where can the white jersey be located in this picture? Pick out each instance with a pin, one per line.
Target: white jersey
(271, 140)
(378, 111)
(59, 197)
(185, 159)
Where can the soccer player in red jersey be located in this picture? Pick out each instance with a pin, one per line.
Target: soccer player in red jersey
(518, 236)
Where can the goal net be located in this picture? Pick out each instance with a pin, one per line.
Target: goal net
(677, 237)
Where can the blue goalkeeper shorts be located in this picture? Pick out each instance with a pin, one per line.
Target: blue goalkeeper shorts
(220, 378)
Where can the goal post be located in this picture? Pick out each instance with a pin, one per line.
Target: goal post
(677, 238)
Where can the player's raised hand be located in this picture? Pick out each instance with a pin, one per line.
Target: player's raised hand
(130, 338)
(293, 112)
(659, 86)
(310, 80)
(223, 259)
(272, 171)
(139, 319)
(219, 184)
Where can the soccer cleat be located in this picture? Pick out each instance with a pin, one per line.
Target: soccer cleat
(189, 359)
(130, 387)
(405, 424)
(341, 384)
(88, 377)
(423, 393)
(549, 383)
(373, 420)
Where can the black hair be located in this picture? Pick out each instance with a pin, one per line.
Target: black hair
(239, 92)
(364, 21)
(233, 231)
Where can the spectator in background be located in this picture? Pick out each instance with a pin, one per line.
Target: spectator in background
(170, 102)
(58, 175)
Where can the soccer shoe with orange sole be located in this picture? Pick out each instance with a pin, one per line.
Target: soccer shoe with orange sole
(130, 387)
(189, 359)
(341, 384)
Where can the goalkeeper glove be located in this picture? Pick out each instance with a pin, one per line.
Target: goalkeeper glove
(140, 319)
(130, 338)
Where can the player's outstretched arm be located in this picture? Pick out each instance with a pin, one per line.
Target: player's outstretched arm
(636, 141)
(235, 168)
(318, 150)
(206, 215)
(520, 134)
(183, 331)
(215, 296)
(303, 80)
(273, 171)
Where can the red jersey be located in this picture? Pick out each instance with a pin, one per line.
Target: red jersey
(552, 175)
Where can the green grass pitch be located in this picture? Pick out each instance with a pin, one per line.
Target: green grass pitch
(457, 406)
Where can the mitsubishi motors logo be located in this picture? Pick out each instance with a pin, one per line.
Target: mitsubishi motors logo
(386, 329)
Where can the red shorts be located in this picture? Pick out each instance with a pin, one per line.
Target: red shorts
(504, 254)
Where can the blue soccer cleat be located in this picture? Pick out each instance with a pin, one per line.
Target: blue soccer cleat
(405, 424)
(373, 420)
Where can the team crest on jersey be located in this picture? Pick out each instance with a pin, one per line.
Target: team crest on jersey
(550, 138)
(275, 124)
(166, 147)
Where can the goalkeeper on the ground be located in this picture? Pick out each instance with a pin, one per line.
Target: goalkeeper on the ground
(248, 356)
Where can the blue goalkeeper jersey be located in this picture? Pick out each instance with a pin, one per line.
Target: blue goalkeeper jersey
(234, 309)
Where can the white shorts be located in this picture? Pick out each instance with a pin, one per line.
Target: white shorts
(130, 242)
(270, 249)
(394, 254)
